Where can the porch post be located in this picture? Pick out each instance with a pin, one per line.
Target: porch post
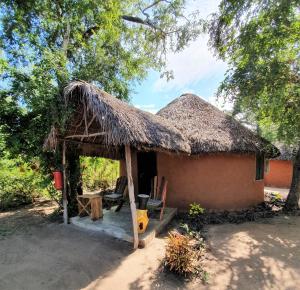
(65, 201)
(131, 196)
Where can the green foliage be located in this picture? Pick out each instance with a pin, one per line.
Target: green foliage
(260, 40)
(196, 210)
(98, 173)
(20, 182)
(47, 43)
(276, 196)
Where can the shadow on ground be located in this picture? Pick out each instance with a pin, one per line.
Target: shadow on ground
(263, 255)
(36, 254)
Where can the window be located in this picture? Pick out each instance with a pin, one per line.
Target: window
(260, 160)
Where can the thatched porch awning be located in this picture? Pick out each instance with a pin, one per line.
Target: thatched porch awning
(102, 125)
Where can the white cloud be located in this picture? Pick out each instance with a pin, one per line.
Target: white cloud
(197, 61)
(204, 7)
(151, 108)
(223, 105)
(191, 65)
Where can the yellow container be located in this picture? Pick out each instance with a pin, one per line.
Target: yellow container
(142, 220)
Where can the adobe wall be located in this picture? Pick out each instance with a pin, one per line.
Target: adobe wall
(280, 173)
(215, 181)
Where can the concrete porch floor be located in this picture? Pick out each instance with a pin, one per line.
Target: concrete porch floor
(119, 224)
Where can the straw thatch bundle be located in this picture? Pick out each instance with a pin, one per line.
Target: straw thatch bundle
(104, 120)
(210, 130)
(102, 125)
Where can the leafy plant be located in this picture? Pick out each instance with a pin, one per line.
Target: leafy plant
(259, 40)
(196, 209)
(45, 44)
(277, 196)
(98, 173)
(20, 182)
(54, 194)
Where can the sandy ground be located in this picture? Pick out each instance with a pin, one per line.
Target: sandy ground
(38, 254)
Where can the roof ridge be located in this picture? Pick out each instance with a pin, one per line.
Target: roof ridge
(210, 129)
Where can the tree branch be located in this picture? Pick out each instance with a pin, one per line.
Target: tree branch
(147, 22)
(90, 31)
(139, 20)
(154, 4)
(151, 5)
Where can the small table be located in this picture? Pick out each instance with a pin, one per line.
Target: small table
(91, 204)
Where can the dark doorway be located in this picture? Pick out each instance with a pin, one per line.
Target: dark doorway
(146, 171)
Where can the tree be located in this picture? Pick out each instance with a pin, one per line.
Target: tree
(260, 39)
(47, 43)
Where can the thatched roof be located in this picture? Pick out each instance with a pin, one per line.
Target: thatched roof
(102, 125)
(116, 122)
(210, 130)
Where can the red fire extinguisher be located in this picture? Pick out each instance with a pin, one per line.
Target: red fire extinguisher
(58, 180)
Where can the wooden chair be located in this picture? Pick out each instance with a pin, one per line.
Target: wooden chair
(117, 196)
(158, 200)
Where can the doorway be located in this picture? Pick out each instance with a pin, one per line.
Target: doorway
(146, 171)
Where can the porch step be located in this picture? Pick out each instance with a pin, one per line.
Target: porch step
(119, 225)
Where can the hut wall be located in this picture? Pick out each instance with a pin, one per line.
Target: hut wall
(218, 182)
(280, 173)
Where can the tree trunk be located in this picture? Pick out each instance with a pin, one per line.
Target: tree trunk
(292, 201)
(74, 177)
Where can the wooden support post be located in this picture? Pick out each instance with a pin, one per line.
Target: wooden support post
(131, 197)
(65, 200)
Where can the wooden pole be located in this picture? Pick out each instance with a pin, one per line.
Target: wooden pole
(131, 197)
(65, 201)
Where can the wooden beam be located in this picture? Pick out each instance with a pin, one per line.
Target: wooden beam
(91, 121)
(65, 200)
(131, 197)
(86, 136)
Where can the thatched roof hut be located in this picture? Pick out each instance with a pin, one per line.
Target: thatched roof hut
(110, 123)
(101, 125)
(189, 125)
(209, 130)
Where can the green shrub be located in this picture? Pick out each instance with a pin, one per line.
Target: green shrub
(196, 209)
(98, 173)
(276, 196)
(20, 182)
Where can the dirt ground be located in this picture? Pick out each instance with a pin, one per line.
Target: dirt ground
(38, 254)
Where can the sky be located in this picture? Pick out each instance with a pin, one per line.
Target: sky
(196, 70)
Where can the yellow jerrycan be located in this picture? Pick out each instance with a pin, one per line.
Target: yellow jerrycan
(142, 220)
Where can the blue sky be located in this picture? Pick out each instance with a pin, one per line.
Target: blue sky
(196, 70)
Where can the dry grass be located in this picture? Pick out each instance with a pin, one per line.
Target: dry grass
(187, 125)
(210, 130)
(183, 254)
(97, 111)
